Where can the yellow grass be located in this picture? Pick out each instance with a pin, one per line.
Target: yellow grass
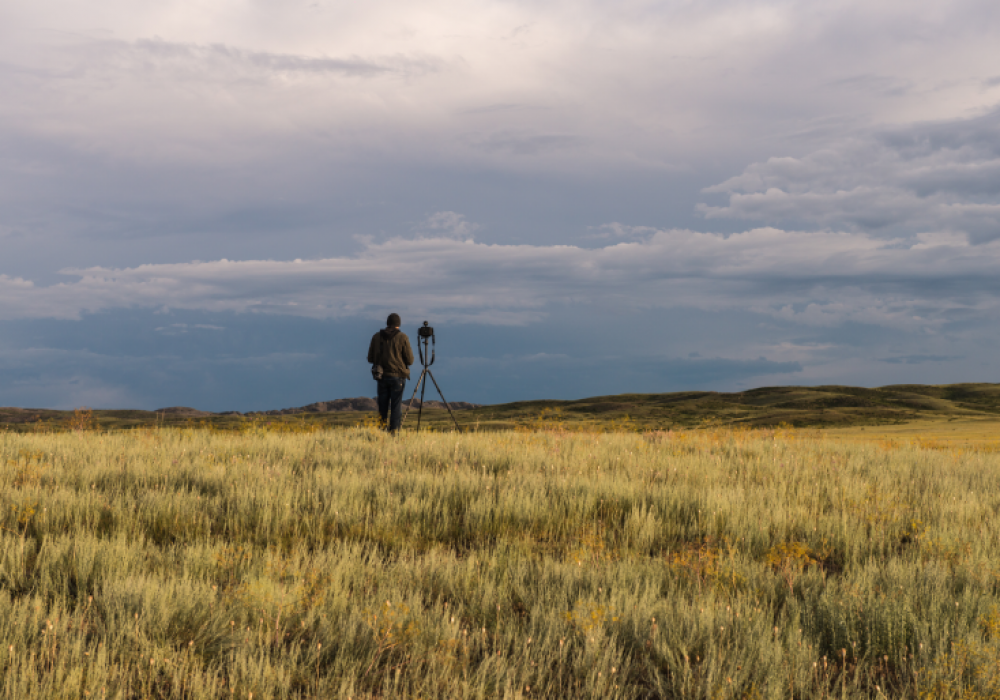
(977, 433)
(345, 564)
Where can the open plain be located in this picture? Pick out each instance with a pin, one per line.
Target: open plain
(531, 563)
(840, 407)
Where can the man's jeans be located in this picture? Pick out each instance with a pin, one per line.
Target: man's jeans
(390, 396)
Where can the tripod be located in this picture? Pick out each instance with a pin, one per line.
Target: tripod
(426, 334)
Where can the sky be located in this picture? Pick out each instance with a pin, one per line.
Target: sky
(217, 204)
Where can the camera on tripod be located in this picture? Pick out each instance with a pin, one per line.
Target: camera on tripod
(426, 351)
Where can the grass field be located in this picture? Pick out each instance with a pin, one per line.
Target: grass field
(172, 563)
(818, 406)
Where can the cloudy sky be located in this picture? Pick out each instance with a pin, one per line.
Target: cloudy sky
(216, 204)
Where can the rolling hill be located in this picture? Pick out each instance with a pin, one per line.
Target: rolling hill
(819, 406)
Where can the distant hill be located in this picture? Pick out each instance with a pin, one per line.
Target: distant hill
(335, 412)
(361, 404)
(819, 406)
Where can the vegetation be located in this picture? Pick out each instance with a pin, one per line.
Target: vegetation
(822, 406)
(184, 563)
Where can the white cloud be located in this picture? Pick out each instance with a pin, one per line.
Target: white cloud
(547, 85)
(942, 177)
(810, 278)
(448, 224)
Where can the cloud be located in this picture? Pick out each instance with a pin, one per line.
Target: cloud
(929, 177)
(817, 279)
(544, 86)
(918, 359)
(883, 84)
(182, 328)
(228, 63)
(448, 224)
(621, 231)
(710, 372)
(616, 374)
(258, 130)
(67, 378)
(526, 144)
(247, 135)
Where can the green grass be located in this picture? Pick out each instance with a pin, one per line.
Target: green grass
(711, 564)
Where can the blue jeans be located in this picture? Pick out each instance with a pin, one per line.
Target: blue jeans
(390, 397)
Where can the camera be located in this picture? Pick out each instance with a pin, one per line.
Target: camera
(426, 352)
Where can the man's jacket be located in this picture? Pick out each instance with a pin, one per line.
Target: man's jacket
(391, 348)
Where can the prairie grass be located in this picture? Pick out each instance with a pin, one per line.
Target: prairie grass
(344, 564)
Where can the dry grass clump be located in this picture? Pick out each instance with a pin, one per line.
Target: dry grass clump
(768, 564)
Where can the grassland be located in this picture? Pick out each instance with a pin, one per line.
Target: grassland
(820, 406)
(191, 563)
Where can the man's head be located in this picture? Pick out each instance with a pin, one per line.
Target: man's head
(393, 321)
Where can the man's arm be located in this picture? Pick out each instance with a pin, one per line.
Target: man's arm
(407, 351)
(373, 350)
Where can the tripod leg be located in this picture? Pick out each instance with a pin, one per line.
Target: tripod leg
(420, 411)
(407, 411)
(457, 426)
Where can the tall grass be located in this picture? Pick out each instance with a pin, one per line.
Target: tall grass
(192, 564)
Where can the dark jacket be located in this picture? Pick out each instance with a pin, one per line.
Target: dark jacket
(391, 348)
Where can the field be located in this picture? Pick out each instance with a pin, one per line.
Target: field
(818, 406)
(548, 563)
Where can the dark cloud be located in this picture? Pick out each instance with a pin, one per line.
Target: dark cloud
(918, 359)
(497, 169)
(219, 361)
(695, 373)
(810, 278)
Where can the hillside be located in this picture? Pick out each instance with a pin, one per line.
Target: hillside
(820, 406)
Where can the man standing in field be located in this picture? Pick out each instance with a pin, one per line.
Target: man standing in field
(390, 350)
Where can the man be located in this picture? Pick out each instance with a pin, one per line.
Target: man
(390, 349)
